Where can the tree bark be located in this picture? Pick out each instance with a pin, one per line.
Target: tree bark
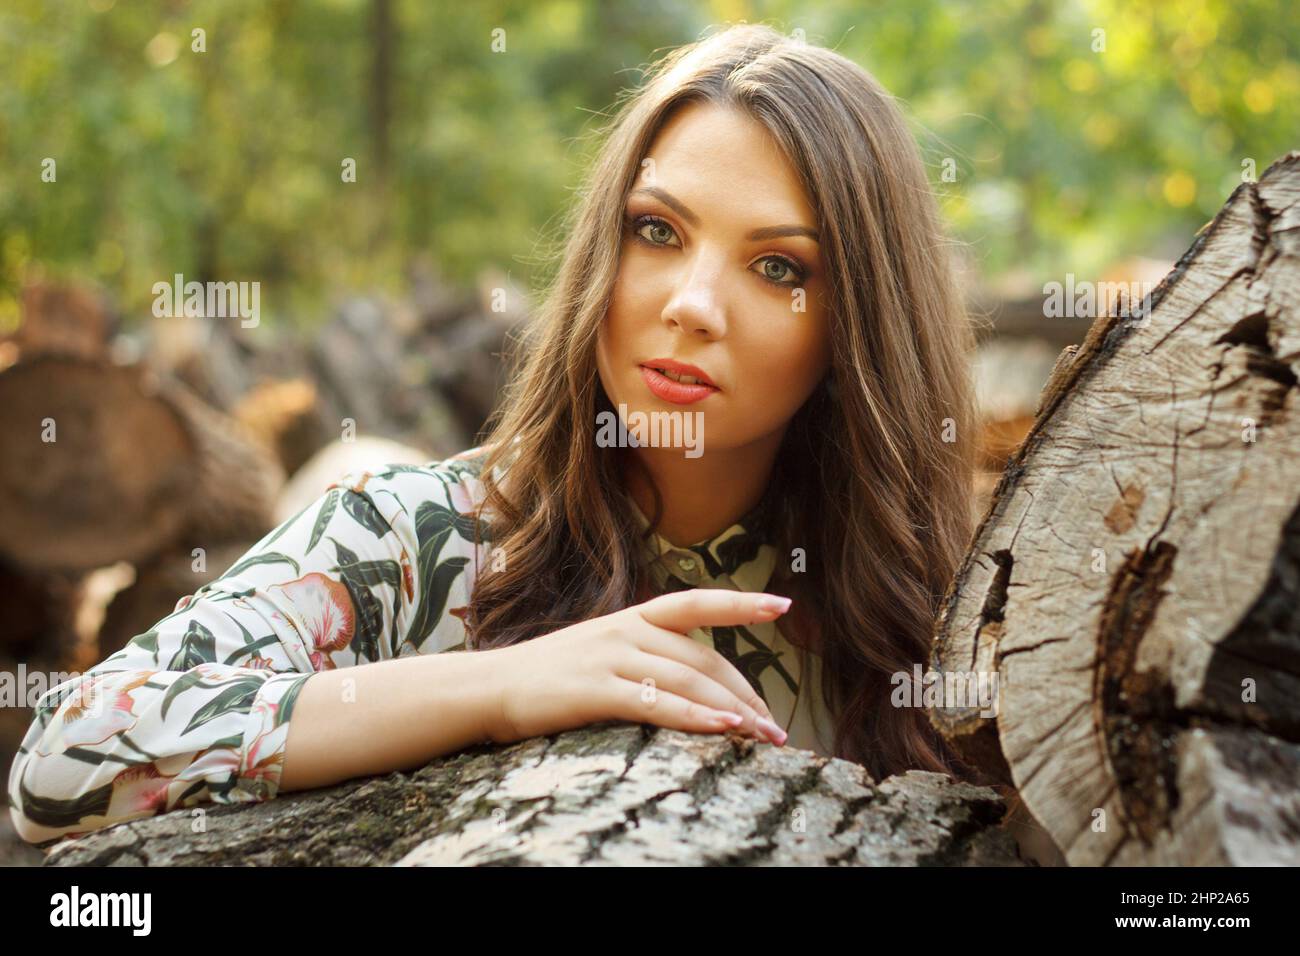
(1135, 585)
(608, 794)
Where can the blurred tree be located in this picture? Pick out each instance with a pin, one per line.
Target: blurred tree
(1074, 132)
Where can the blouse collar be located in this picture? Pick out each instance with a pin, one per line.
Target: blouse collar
(739, 558)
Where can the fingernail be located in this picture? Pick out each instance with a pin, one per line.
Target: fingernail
(778, 735)
(774, 605)
(732, 719)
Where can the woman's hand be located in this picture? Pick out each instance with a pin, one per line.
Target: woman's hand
(636, 665)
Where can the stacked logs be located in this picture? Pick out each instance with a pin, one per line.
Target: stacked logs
(154, 456)
(106, 463)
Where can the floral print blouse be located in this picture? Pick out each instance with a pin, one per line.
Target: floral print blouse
(198, 707)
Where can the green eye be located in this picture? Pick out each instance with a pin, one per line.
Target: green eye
(655, 231)
(781, 271)
(775, 269)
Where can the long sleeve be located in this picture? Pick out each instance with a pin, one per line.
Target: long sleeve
(198, 707)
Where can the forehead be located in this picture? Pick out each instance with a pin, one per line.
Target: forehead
(716, 156)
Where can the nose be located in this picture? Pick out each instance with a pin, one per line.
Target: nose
(696, 306)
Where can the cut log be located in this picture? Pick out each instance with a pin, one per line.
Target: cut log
(238, 477)
(286, 416)
(606, 794)
(105, 463)
(374, 378)
(1135, 585)
(95, 468)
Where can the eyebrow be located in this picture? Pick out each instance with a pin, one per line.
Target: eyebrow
(767, 232)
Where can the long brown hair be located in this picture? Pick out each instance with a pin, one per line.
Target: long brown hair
(874, 478)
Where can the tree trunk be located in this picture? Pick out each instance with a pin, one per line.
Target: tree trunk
(1135, 585)
(606, 794)
(107, 463)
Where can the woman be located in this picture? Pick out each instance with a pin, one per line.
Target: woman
(756, 271)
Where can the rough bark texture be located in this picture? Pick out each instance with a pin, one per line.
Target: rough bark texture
(609, 794)
(1135, 585)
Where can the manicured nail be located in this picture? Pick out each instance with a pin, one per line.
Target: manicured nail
(778, 735)
(732, 719)
(774, 605)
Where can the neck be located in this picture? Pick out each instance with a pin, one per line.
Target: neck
(704, 496)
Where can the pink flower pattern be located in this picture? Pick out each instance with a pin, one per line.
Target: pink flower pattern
(321, 609)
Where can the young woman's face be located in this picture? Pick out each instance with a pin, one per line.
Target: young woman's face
(720, 269)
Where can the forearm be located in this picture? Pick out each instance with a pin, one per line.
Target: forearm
(392, 715)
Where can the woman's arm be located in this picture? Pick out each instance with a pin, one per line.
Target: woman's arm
(198, 708)
(394, 715)
(400, 714)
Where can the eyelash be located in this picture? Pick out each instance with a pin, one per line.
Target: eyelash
(636, 223)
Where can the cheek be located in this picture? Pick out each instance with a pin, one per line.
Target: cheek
(607, 346)
(637, 289)
(624, 308)
(633, 309)
(800, 362)
(608, 349)
(613, 340)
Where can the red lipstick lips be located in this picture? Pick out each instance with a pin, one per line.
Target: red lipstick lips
(670, 390)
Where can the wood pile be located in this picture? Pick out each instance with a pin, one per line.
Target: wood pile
(165, 448)
(1021, 332)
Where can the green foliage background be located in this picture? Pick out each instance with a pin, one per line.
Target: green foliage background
(226, 163)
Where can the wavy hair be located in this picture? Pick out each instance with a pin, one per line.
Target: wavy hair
(874, 480)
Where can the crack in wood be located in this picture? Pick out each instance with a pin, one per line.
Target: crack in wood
(1137, 713)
